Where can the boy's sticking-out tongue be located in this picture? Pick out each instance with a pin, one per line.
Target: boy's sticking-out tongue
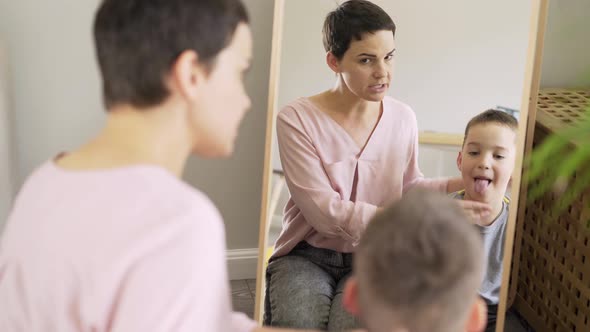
(481, 185)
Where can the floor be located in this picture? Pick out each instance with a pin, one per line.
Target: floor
(243, 292)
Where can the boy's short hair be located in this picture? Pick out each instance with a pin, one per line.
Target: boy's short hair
(419, 264)
(352, 19)
(138, 41)
(492, 116)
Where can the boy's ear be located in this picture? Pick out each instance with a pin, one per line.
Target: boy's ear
(478, 316)
(333, 62)
(459, 160)
(350, 296)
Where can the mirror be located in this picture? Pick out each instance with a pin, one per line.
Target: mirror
(453, 60)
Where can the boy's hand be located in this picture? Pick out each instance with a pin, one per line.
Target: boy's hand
(475, 211)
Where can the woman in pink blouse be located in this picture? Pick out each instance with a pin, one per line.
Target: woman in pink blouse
(108, 237)
(346, 152)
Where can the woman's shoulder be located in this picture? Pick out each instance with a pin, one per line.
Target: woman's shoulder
(300, 104)
(398, 106)
(400, 113)
(302, 110)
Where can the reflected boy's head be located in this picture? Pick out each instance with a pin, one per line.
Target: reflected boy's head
(418, 267)
(486, 160)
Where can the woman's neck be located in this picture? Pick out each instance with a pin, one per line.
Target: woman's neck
(340, 102)
(134, 137)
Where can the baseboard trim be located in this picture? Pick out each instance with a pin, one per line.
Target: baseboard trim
(242, 263)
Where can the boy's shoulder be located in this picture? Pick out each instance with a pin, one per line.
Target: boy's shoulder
(457, 194)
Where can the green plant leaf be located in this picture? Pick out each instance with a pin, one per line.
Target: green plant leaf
(556, 160)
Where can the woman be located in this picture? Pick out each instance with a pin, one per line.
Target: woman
(108, 237)
(346, 153)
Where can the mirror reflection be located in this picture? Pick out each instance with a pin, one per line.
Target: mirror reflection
(378, 99)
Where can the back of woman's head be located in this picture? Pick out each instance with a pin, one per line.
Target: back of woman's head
(138, 41)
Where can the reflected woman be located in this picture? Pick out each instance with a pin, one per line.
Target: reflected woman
(346, 152)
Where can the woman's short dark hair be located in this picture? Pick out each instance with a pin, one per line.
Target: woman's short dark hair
(138, 41)
(352, 19)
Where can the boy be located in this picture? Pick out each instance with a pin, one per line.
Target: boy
(486, 162)
(418, 268)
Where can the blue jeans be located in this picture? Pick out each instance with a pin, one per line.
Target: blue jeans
(304, 289)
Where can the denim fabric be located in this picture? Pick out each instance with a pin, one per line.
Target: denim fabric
(304, 289)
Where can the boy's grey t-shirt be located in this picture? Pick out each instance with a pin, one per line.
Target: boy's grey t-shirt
(493, 241)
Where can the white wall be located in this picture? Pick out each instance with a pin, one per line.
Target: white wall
(236, 185)
(6, 154)
(54, 86)
(54, 77)
(454, 58)
(566, 54)
(57, 102)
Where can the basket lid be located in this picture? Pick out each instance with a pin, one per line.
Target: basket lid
(560, 108)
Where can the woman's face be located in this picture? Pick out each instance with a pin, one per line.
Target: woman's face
(223, 99)
(367, 65)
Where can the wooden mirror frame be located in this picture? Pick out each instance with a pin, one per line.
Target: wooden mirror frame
(524, 144)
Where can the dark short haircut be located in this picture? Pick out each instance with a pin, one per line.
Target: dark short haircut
(350, 20)
(492, 116)
(138, 41)
(422, 260)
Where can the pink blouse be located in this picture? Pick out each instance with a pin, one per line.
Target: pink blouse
(126, 249)
(335, 186)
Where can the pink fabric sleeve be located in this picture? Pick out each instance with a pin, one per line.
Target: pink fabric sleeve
(310, 188)
(413, 177)
(179, 284)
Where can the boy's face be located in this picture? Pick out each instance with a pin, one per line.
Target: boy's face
(223, 100)
(367, 65)
(486, 161)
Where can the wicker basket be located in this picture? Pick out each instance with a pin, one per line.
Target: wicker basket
(553, 275)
